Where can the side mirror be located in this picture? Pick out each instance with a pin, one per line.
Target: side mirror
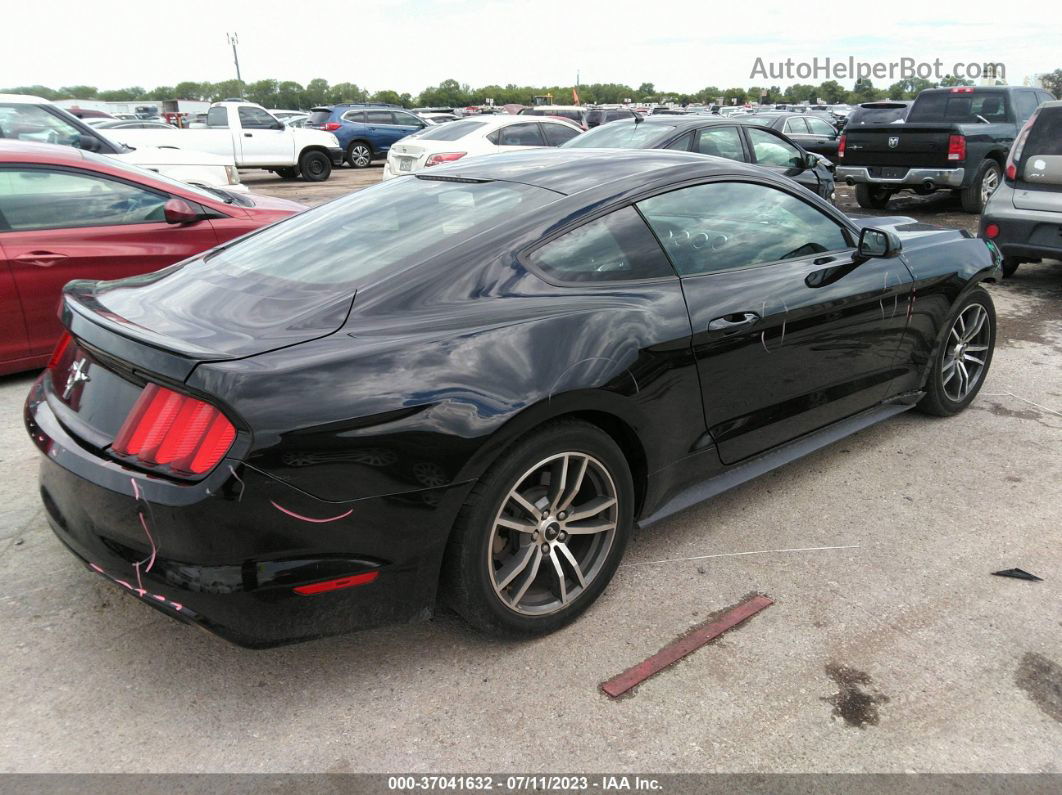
(810, 160)
(877, 243)
(278, 125)
(178, 211)
(89, 143)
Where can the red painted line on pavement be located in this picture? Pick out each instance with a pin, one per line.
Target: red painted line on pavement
(690, 642)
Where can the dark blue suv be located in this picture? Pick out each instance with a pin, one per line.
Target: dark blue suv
(364, 131)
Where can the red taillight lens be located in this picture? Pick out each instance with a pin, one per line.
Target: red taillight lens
(962, 90)
(841, 144)
(60, 349)
(1014, 156)
(991, 231)
(175, 431)
(1012, 171)
(956, 147)
(332, 126)
(335, 585)
(443, 157)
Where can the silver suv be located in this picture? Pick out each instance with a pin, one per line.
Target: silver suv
(1023, 216)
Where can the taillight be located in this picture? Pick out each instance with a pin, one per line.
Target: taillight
(332, 126)
(176, 432)
(992, 231)
(60, 349)
(443, 157)
(956, 147)
(962, 90)
(1014, 156)
(336, 585)
(841, 144)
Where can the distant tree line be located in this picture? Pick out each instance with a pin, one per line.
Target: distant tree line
(450, 93)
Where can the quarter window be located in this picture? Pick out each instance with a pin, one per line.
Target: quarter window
(770, 150)
(727, 225)
(42, 199)
(682, 143)
(616, 247)
(720, 142)
(357, 116)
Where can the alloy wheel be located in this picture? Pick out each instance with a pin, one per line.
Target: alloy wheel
(966, 352)
(989, 184)
(552, 534)
(360, 156)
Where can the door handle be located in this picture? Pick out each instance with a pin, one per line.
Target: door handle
(248, 135)
(42, 259)
(731, 323)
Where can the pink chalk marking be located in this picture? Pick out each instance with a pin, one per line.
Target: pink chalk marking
(282, 509)
(143, 523)
(94, 567)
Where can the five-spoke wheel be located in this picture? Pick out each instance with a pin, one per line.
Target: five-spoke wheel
(959, 369)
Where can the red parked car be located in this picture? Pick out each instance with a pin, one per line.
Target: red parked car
(70, 214)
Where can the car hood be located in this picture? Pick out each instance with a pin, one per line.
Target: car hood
(148, 156)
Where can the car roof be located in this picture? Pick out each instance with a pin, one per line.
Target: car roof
(571, 171)
(12, 151)
(26, 99)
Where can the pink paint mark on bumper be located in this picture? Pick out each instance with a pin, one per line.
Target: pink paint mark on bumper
(302, 518)
(688, 643)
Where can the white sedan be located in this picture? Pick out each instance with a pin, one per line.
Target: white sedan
(477, 135)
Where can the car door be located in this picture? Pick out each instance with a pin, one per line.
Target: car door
(773, 152)
(264, 140)
(822, 137)
(62, 224)
(13, 343)
(790, 331)
(383, 130)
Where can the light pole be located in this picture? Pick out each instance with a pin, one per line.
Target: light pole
(234, 40)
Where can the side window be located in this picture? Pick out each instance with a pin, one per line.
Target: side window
(616, 247)
(520, 135)
(34, 123)
(42, 199)
(256, 119)
(357, 116)
(1025, 102)
(726, 225)
(796, 127)
(406, 119)
(380, 117)
(770, 150)
(682, 143)
(556, 134)
(720, 142)
(217, 117)
(819, 127)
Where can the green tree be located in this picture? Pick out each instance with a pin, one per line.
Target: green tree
(122, 94)
(831, 91)
(864, 91)
(289, 95)
(78, 92)
(36, 91)
(907, 89)
(191, 90)
(226, 89)
(316, 92)
(347, 92)
(949, 81)
(1052, 81)
(264, 92)
(646, 91)
(391, 98)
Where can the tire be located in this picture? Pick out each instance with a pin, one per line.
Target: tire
(288, 172)
(872, 198)
(975, 197)
(359, 154)
(944, 394)
(315, 166)
(1010, 266)
(496, 576)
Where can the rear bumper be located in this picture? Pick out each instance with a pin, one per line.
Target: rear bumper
(1024, 233)
(227, 552)
(940, 177)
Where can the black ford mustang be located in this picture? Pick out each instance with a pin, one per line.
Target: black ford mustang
(476, 380)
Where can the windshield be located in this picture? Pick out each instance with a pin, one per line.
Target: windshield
(621, 135)
(960, 108)
(136, 172)
(392, 224)
(451, 131)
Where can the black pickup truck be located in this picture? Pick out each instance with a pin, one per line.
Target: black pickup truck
(953, 139)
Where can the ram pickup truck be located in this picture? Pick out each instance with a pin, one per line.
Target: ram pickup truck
(254, 138)
(953, 139)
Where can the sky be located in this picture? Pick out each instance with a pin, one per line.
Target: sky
(406, 45)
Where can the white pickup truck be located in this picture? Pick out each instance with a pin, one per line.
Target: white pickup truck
(254, 138)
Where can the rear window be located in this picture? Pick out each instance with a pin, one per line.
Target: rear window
(451, 131)
(622, 135)
(217, 117)
(877, 115)
(390, 225)
(1045, 137)
(960, 108)
(318, 116)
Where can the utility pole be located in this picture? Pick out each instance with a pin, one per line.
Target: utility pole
(234, 40)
